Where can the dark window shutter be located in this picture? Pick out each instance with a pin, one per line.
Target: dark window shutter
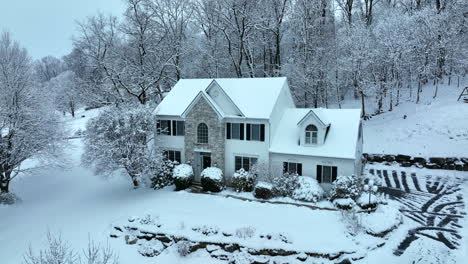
(334, 173)
(319, 173)
(242, 131)
(168, 127)
(285, 167)
(248, 131)
(262, 132)
(174, 128)
(299, 169)
(158, 127)
(228, 130)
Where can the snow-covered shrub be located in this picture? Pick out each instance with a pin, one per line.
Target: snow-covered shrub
(345, 187)
(245, 232)
(183, 248)
(59, 251)
(308, 190)
(243, 181)
(366, 202)
(285, 184)
(352, 221)
(183, 176)
(151, 248)
(163, 174)
(263, 190)
(9, 198)
(118, 138)
(385, 219)
(212, 179)
(344, 203)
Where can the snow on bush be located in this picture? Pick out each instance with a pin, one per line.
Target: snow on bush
(163, 174)
(263, 190)
(365, 202)
(352, 221)
(344, 203)
(308, 190)
(183, 176)
(9, 198)
(118, 138)
(151, 248)
(243, 181)
(245, 232)
(212, 179)
(285, 184)
(183, 248)
(383, 220)
(345, 187)
(59, 251)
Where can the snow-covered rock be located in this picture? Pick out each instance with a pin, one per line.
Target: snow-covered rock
(308, 190)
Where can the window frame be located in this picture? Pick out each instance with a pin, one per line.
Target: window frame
(238, 127)
(250, 130)
(247, 167)
(311, 136)
(160, 129)
(333, 170)
(173, 155)
(297, 168)
(201, 137)
(178, 128)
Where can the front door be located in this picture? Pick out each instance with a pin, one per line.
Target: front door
(203, 162)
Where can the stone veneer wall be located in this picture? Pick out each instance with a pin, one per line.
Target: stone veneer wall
(202, 112)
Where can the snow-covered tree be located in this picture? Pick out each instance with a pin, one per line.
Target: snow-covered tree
(29, 126)
(66, 90)
(119, 139)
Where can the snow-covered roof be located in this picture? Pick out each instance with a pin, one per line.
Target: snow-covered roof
(341, 140)
(255, 97)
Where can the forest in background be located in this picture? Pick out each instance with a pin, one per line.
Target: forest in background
(377, 51)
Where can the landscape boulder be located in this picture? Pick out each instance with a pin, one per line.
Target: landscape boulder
(402, 158)
(439, 161)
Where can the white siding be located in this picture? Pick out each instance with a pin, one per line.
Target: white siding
(309, 163)
(284, 101)
(257, 149)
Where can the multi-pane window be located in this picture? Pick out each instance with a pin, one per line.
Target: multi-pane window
(163, 127)
(202, 133)
(256, 132)
(311, 134)
(326, 174)
(172, 155)
(292, 168)
(244, 162)
(170, 127)
(235, 131)
(178, 128)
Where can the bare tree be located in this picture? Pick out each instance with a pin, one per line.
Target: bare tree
(28, 125)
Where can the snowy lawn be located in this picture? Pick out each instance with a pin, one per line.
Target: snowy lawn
(434, 127)
(77, 203)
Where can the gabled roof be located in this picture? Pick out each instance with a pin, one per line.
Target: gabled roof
(254, 97)
(215, 84)
(341, 140)
(317, 114)
(213, 105)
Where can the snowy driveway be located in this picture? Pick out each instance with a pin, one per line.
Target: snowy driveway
(432, 199)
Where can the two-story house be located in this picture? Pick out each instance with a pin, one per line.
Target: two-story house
(234, 123)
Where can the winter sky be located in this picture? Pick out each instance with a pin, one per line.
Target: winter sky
(46, 27)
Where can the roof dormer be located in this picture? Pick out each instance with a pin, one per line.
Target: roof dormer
(218, 95)
(313, 129)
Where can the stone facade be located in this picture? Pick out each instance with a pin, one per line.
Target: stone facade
(202, 112)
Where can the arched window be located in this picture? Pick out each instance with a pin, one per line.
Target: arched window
(311, 134)
(202, 133)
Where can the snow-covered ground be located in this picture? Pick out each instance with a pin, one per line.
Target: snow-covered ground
(79, 204)
(434, 127)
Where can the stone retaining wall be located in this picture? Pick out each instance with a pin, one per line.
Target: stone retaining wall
(442, 163)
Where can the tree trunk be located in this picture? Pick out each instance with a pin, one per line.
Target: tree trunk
(135, 181)
(436, 88)
(5, 181)
(419, 90)
(363, 105)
